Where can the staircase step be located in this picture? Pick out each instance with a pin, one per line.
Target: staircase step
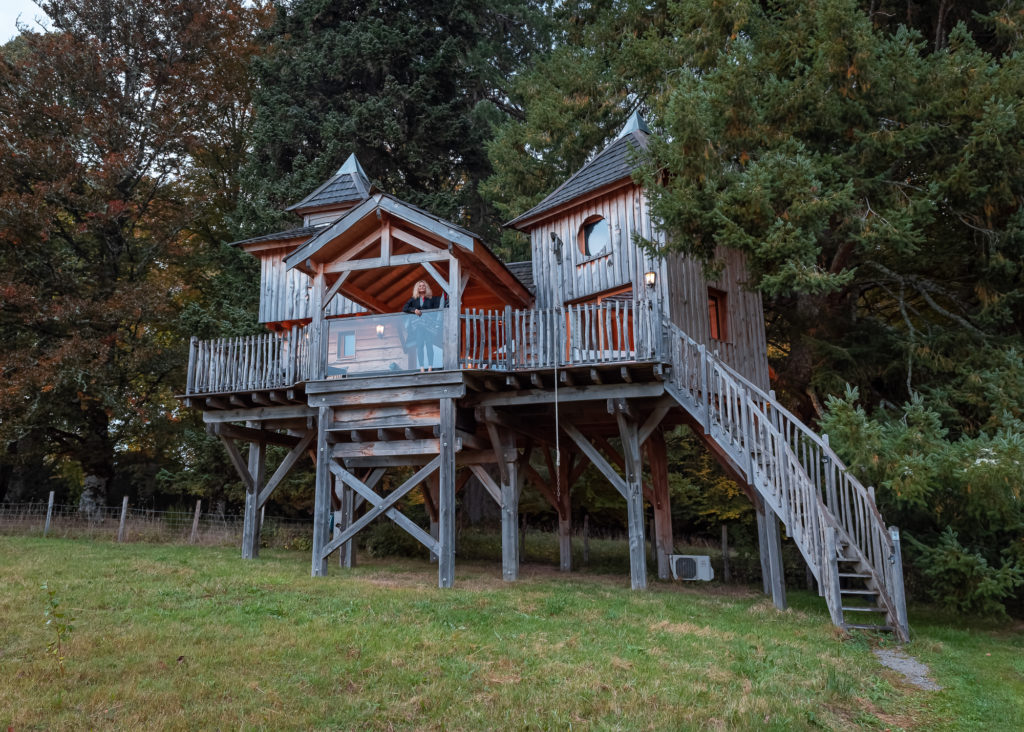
(865, 609)
(865, 593)
(854, 575)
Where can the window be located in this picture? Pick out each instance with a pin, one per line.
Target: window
(717, 315)
(594, 237)
(346, 345)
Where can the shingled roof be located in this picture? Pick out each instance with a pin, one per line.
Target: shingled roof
(301, 233)
(523, 271)
(609, 166)
(349, 185)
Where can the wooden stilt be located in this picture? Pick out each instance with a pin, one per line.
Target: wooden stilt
(322, 495)
(773, 537)
(510, 488)
(446, 497)
(762, 545)
(657, 455)
(257, 469)
(430, 493)
(634, 499)
(563, 495)
(345, 515)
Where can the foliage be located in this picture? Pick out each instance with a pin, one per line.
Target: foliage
(62, 625)
(964, 581)
(122, 126)
(943, 492)
(412, 88)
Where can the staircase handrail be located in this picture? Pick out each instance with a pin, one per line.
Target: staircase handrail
(844, 503)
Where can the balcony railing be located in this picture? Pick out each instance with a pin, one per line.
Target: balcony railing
(504, 340)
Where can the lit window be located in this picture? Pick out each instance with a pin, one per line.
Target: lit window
(594, 237)
(717, 314)
(346, 345)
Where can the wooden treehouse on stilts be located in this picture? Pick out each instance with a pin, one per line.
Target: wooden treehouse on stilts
(592, 340)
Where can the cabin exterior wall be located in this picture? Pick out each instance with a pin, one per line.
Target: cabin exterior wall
(681, 292)
(285, 295)
(579, 277)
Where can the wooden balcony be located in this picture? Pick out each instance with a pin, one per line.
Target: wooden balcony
(502, 340)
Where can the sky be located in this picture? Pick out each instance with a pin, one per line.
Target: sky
(9, 11)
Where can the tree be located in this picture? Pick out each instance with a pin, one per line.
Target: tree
(412, 88)
(114, 126)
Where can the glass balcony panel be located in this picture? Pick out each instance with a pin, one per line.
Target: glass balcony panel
(380, 344)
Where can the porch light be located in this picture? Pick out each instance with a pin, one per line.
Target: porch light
(650, 278)
(380, 330)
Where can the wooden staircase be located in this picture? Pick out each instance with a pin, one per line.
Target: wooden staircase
(829, 514)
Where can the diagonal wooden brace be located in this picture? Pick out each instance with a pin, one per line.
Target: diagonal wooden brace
(293, 456)
(239, 463)
(596, 458)
(383, 505)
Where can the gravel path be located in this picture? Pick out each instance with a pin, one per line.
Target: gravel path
(914, 672)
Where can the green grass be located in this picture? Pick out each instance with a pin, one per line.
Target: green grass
(186, 637)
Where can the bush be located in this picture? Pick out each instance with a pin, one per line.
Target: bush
(386, 539)
(963, 580)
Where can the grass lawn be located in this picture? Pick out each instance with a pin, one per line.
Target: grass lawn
(177, 637)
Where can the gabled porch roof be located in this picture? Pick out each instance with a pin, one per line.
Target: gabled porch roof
(376, 252)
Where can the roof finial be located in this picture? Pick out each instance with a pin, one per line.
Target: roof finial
(635, 124)
(351, 166)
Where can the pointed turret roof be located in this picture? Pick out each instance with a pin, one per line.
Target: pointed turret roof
(611, 165)
(349, 185)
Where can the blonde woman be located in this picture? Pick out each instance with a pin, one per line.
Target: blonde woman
(423, 335)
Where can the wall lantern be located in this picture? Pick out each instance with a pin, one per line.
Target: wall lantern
(650, 278)
(380, 330)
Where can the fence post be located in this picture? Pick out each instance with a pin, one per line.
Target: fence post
(195, 524)
(509, 337)
(49, 515)
(190, 378)
(124, 516)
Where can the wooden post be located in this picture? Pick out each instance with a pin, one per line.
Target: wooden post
(446, 485)
(194, 537)
(773, 536)
(831, 586)
(322, 493)
(762, 546)
(124, 517)
(49, 515)
(347, 514)
(896, 591)
(511, 485)
(657, 454)
(318, 346)
(432, 493)
(564, 513)
(190, 377)
(250, 524)
(451, 344)
(634, 500)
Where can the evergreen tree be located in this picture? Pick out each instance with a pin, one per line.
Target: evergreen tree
(412, 88)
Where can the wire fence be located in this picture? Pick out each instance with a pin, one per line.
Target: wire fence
(127, 524)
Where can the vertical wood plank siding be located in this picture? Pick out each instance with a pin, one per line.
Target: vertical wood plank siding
(681, 292)
(285, 294)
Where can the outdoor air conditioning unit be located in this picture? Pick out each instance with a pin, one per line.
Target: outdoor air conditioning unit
(691, 567)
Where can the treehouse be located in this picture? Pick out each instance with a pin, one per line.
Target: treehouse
(521, 372)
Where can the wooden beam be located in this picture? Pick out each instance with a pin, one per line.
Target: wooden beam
(595, 457)
(384, 506)
(446, 494)
(236, 459)
(568, 394)
(354, 265)
(321, 494)
(285, 467)
(657, 456)
(487, 482)
(249, 434)
(634, 500)
(260, 414)
(374, 448)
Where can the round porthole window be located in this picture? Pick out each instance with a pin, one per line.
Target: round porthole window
(595, 237)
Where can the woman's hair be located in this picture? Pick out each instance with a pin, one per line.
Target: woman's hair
(430, 293)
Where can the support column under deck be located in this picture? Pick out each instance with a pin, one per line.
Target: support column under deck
(657, 455)
(634, 500)
(446, 496)
(771, 549)
(322, 495)
(251, 518)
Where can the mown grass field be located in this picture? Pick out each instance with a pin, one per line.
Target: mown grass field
(195, 638)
